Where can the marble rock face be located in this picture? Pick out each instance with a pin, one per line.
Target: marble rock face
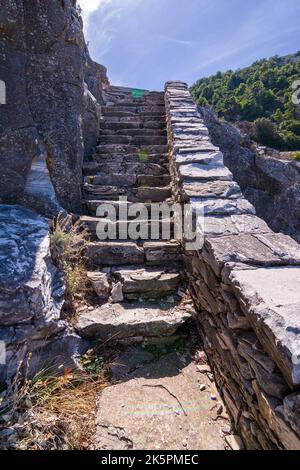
(31, 294)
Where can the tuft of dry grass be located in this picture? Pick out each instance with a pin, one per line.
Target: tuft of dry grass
(48, 412)
(68, 243)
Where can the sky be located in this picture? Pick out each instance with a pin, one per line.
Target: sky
(144, 43)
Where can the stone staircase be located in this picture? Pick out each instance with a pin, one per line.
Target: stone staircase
(138, 282)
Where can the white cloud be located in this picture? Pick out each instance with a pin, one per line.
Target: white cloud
(89, 7)
(179, 42)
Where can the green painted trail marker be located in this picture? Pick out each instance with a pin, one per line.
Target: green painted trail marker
(137, 94)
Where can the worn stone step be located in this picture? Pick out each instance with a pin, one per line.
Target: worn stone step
(133, 140)
(146, 282)
(121, 90)
(133, 132)
(154, 194)
(151, 116)
(150, 122)
(127, 180)
(136, 157)
(153, 180)
(137, 124)
(145, 229)
(140, 194)
(133, 168)
(160, 252)
(135, 107)
(121, 207)
(112, 179)
(131, 149)
(110, 253)
(130, 320)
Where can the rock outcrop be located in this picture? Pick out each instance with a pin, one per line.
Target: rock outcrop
(51, 116)
(270, 183)
(31, 298)
(245, 282)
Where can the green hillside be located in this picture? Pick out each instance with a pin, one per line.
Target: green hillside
(260, 94)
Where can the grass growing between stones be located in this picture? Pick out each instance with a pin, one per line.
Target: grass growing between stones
(48, 412)
(68, 243)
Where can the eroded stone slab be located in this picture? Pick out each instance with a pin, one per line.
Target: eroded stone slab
(152, 282)
(272, 301)
(119, 321)
(204, 158)
(204, 172)
(222, 226)
(211, 189)
(111, 253)
(254, 249)
(158, 398)
(222, 206)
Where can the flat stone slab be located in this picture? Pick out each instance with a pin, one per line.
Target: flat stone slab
(266, 249)
(221, 226)
(271, 300)
(204, 158)
(112, 253)
(204, 172)
(223, 206)
(161, 252)
(119, 321)
(212, 189)
(159, 407)
(153, 282)
(205, 146)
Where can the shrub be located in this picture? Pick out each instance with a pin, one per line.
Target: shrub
(297, 156)
(292, 141)
(293, 126)
(266, 133)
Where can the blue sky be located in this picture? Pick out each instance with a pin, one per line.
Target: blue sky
(144, 43)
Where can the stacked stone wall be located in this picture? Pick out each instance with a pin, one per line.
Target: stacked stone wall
(245, 283)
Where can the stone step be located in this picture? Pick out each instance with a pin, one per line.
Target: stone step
(146, 282)
(112, 179)
(137, 124)
(154, 253)
(151, 116)
(136, 157)
(126, 149)
(133, 168)
(133, 140)
(121, 207)
(110, 253)
(135, 107)
(128, 180)
(146, 229)
(132, 97)
(133, 132)
(161, 252)
(140, 194)
(131, 320)
(116, 89)
(152, 122)
(154, 194)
